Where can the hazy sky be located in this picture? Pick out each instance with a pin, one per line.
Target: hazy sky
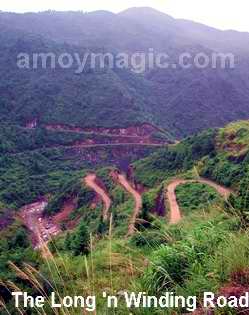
(223, 14)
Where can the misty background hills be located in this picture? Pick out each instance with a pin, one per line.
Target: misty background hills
(182, 101)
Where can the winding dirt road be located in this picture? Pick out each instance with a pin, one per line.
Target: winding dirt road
(91, 182)
(138, 202)
(175, 213)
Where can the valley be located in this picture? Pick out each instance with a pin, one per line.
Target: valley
(43, 228)
(117, 181)
(150, 211)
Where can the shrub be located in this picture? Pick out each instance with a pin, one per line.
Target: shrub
(79, 241)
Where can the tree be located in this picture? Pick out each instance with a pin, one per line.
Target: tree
(19, 240)
(67, 243)
(79, 241)
(102, 227)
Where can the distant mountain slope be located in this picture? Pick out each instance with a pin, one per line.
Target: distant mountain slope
(104, 29)
(182, 101)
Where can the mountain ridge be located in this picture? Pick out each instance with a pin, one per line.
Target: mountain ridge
(182, 101)
(145, 10)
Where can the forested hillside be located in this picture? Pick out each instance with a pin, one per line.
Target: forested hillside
(182, 101)
(198, 252)
(118, 180)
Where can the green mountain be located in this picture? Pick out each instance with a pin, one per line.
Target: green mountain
(206, 248)
(110, 180)
(182, 101)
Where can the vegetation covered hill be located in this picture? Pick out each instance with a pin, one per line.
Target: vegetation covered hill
(182, 101)
(59, 126)
(206, 250)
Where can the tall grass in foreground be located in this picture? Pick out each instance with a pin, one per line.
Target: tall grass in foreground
(197, 255)
(110, 266)
(210, 248)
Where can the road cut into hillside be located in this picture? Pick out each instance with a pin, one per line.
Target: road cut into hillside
(138, 202)
(91, 182)
(175, 213)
